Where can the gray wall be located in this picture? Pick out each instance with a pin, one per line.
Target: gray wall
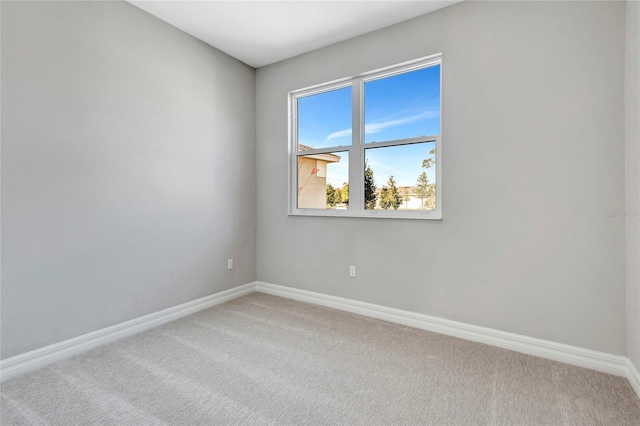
(533, 144)
(129, 173)
(128, 169)
(632, 156)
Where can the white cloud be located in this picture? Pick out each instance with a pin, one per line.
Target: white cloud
(379, 126)
(339, 134)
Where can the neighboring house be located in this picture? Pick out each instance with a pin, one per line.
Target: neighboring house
(410, 200)
(312, 179)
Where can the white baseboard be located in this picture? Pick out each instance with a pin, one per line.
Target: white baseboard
(38, 358)
(600, 361)
(633, 376)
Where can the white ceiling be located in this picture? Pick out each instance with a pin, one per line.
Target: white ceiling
(263, 32)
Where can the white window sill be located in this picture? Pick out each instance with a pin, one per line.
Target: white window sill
(379, 214)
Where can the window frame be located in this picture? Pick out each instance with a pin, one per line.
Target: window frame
(358, 146)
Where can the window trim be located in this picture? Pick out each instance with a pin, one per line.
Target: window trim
(357, 147)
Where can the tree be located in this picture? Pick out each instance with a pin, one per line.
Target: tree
(427, 163)
(370, 196)
(338, 195)
(405, 196)
(423, 190)
(344, 193)
(389, 195)
(331, 196)
(384, 197)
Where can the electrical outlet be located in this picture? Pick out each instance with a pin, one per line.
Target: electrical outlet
(352, 271)
(230, 264)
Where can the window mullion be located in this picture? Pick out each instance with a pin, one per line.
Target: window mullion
(356, 156)
(398, 142)
(293, 159)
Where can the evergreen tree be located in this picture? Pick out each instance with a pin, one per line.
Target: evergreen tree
(331, 196)
(384, 198)
(390, 196)
(423, 190)
(344, 193)
(338, 195)
(370, 196)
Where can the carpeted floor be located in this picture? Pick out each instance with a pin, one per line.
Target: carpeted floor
(262, 359)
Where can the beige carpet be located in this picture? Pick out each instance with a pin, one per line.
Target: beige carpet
(266, 360)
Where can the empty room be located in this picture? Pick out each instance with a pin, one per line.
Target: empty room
(320, 212)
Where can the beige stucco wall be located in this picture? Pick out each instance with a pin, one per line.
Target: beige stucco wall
(312, 189)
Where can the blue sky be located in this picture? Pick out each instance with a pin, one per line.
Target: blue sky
(399, 107)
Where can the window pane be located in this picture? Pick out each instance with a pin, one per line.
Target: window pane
(402, 106)
(324, 120)
(401, 177)
(323, 181)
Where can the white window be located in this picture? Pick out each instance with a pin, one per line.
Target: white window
(369, 146)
